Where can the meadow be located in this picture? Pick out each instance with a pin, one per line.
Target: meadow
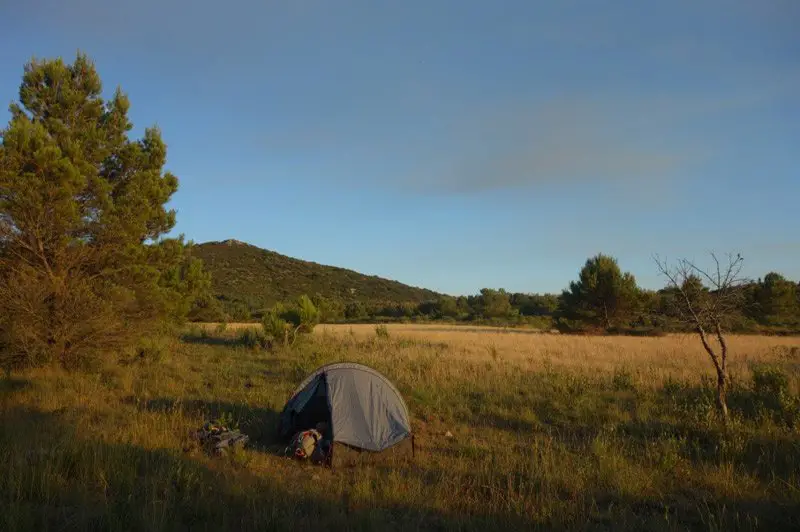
(547, 432)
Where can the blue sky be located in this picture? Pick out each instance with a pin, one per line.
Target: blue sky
(458, 144)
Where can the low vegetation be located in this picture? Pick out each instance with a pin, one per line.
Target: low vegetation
(547, 431)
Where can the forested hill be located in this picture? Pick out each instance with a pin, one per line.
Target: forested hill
(259, 278)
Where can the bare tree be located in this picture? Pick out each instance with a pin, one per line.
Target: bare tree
(708, 310)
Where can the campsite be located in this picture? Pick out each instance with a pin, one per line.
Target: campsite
(399, 266)
(545, 431)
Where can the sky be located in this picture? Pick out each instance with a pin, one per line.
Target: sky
(457, 145)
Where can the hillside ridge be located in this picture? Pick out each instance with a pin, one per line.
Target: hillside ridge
(244, 273)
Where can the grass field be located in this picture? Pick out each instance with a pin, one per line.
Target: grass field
(549, 431)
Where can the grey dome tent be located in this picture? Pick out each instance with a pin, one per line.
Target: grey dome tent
(361, 408)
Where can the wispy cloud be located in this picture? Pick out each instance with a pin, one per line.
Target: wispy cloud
(611, 138)
(552, 142)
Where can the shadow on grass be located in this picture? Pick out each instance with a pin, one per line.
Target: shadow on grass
(54, 477)
(205, 339)
(760, 442)
(703, 512)
(768, 456)
(11, 385)
(500, 421)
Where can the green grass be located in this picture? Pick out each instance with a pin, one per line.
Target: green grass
(549, 448)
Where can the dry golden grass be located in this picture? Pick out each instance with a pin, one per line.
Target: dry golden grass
(549, 431)
(676, 356)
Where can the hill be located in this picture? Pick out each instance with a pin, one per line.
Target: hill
(259, 278)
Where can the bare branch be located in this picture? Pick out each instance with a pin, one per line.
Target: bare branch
(709, 310)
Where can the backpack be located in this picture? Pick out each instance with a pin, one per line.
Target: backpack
(307, 444)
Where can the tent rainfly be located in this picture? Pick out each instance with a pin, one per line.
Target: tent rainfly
(363, 410)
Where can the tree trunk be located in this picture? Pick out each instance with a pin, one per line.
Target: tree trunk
(722, 371)
(722, 395)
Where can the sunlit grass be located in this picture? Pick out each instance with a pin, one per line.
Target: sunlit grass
(548, 431)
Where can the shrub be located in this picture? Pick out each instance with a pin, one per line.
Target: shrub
(239, 311)
(153, 349)
(771, 388)
(286, 324)
(254, 339)
(193, 331)
(623, 380)
(275, 326)
(307, 313)
(381, 331)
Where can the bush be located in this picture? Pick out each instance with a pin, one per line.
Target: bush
(771, 388)
(254, 339)
(381, 331)
(623, 380)
(286, 324)
(239, 311)
(275, 326)
(153, 349)
(307, 314)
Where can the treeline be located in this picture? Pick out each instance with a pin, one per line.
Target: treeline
(601, 299)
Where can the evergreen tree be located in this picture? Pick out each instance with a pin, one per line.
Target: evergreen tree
(82, 212)
(494, 303)
(776, 300)
(602, 295)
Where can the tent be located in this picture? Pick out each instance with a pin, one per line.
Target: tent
(362, 410)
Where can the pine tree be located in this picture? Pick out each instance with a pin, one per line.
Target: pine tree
(82, 215)
(602, 295)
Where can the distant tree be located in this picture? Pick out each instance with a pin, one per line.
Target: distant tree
(602, 294)
(405, 309)
(429, 309)
(708, 310)
(330, 310)
(355, 310)
(82, 214)
(649, 310)
(464, 309)
(797, 291)
(535, 304)
(776, 300)
(443, 307)
(494, 303)
(448, 307)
